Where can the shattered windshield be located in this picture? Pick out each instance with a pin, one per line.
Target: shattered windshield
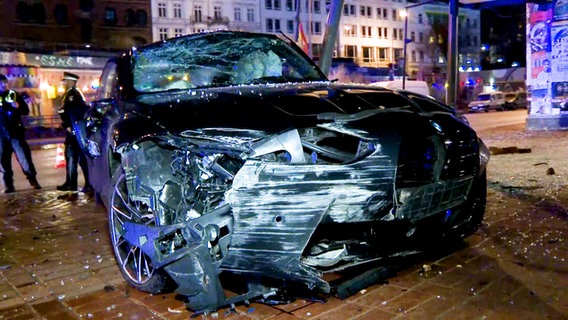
(219, 59)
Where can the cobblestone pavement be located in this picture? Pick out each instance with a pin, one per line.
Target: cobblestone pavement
(56, 261)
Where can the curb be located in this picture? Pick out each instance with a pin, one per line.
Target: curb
(47, 143)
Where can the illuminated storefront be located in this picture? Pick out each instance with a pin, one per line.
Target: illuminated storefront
(40, 76)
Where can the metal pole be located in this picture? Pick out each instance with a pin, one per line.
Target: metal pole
(452, 68)
(330, 34)
(404, 51)
(310, 28)
(298, 5)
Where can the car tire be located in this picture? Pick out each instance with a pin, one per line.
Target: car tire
(135, 266)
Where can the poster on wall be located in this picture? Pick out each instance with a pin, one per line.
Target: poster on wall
(547, 52)
(539, 66)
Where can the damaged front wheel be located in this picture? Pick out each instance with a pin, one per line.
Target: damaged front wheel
(135, 266)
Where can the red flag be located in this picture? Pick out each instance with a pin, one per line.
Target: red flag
(302, 41)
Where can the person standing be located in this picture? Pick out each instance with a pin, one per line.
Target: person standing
(73, 108)
(12, 134)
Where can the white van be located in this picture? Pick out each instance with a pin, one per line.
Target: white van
(488, 101)
(420, 87)
(516, 100)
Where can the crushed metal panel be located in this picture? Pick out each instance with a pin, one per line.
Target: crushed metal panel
(277, 207)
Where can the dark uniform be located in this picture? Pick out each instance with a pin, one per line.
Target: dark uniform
(12, 134)
(73, 109)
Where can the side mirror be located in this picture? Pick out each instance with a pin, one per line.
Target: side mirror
(89, 147)
(85, 128)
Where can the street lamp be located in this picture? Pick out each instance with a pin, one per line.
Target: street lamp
(405, 15)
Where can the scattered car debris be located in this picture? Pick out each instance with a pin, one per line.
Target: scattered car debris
(109, 288)
(508, 150)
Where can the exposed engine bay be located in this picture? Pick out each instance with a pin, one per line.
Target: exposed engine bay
(289, 207)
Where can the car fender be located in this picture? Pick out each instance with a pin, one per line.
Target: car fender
(132, 127)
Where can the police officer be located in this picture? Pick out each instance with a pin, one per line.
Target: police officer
(73, 109)
(12, 135)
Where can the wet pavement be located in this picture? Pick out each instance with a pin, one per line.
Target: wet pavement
(56, 261)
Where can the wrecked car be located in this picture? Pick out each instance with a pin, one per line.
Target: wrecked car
(227, 161)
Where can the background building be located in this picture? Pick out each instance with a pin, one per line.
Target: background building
(41, 39)
(58, 25)
(372, 33)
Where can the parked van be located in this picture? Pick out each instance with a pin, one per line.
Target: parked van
(420, 87)
(488, 101)
(516, 100)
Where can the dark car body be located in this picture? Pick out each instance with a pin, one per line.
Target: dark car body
(274, 180)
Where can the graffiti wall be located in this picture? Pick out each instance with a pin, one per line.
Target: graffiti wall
(547, 57)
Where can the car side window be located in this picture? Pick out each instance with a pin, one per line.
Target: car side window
(107, 88)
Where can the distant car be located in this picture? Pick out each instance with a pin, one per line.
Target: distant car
(415, 86)
(348, 70)
(488, 101)
(515, 100)
(227, 161)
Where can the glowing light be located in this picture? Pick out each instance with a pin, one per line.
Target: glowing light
(85, 88)
(403, 13)
(95, 84)
(60, 89)
(44, 86)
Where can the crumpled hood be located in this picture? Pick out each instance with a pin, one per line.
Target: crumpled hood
(269, 108)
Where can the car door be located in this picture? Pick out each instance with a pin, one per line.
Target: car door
(94, 129)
